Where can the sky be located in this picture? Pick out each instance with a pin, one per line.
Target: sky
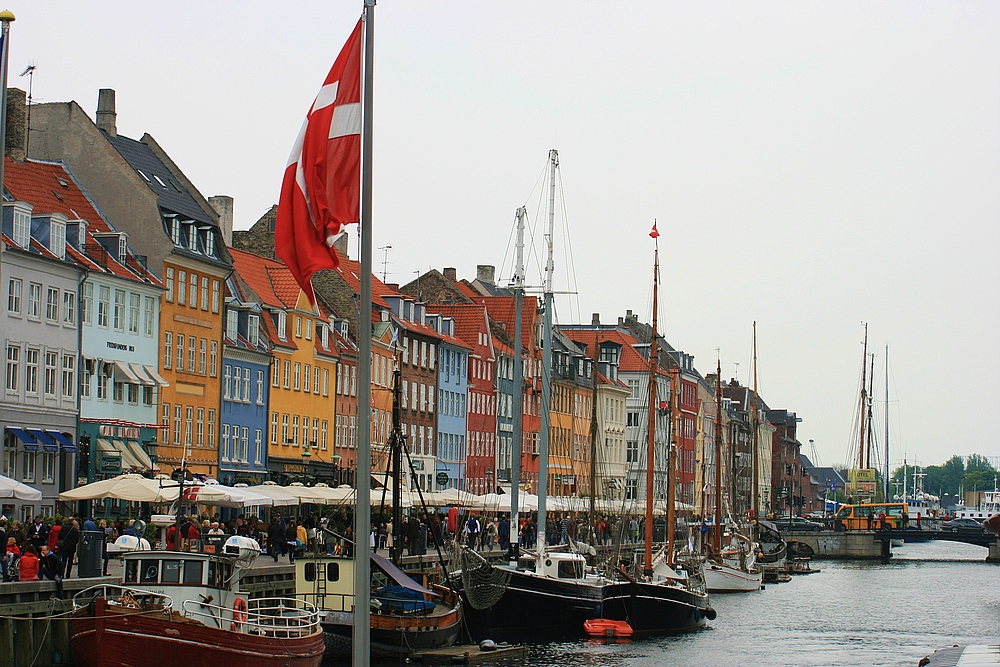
(811, 166)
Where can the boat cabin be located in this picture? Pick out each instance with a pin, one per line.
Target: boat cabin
(183, 575)
(557, 565)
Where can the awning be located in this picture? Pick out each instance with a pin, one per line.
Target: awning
(156, 377)
(123, 369)
(67, 444)
(139, 454)
(141, 374)
(44, 439)
(128, 458)
(30, 444)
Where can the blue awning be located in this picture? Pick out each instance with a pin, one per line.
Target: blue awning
(66, 443)
(44, 439)
(29, 442)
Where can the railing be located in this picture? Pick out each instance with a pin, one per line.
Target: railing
(330, 601)
(282, 618)
(132, 598)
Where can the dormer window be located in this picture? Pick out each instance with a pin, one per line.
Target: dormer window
(210, 243)
(232, 323)
(175, 231)
(122, 248)
(253, 330)
(193, 238)
(325, 333)
(57, 238)
(162, 184)
(282, 325)
(22, 228)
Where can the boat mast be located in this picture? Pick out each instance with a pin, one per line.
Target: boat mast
(361, 655)
(396, 444)
(515, 462)
(886, 422)
(593, 439)
(543, 448)
(754, 422)
(862, 463)
(651, 431)
(871, 395)
(717, 543)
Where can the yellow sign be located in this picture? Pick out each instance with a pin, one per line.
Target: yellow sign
(864, 474)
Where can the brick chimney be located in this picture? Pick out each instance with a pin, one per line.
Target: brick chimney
(107, 119)
(223, 205)
(17, 125)
(595, 319)
(484, 273)
(450, 274)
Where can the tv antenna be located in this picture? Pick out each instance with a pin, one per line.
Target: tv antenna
(385, 261)
(29, 71)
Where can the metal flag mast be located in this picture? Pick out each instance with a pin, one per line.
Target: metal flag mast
(362, 515)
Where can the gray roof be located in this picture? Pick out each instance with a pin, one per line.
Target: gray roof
(171, 194)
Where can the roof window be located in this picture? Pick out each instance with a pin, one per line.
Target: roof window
(143, 174)
(62, 182)
(164, 185)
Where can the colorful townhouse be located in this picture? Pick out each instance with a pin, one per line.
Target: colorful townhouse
(345, 440)
(144, 194)
(300, 401)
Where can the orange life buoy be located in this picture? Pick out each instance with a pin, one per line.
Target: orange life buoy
(239, 613)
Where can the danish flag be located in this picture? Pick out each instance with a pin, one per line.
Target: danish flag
(321, 189)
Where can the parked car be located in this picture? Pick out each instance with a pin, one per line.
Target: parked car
(798, 523)
(962, 525)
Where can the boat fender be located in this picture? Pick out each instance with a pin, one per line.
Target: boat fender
(710, 613)
(239, 613)
(487, 645)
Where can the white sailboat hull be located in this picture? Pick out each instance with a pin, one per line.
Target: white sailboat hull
(722, 578)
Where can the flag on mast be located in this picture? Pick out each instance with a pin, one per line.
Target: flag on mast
(654, 234)
(321, 189)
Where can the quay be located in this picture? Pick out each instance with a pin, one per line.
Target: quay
(871, 544)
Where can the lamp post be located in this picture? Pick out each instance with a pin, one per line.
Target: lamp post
(489, 481)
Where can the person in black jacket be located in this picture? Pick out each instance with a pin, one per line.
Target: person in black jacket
(69, 539)
(275, 538)
(291, 535)
(51, 567)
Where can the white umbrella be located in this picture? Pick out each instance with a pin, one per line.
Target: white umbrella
(455, 497)
(225, 496)
(130, 487)
(278, 494)
(500, 502)
(11, 488)
(306, 494)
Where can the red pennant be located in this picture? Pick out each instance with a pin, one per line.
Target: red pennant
(654, 234)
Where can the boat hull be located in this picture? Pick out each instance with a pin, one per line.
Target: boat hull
(654, 608)
(392, 636)
(536, 606)
(722, 578)
(114, 639)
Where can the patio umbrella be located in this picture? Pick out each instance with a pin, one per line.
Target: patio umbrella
(11, 488)
(278, 494)
(225, 496)
(130, 487)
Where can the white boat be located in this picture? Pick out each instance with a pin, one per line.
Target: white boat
(989, 504)
(734, 570)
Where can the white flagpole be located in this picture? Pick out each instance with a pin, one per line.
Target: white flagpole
(6, 17)
(362, 515)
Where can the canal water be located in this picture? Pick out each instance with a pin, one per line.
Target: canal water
(928, 596)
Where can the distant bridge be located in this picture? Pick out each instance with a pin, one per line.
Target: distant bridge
(977, 537)
(875, 544)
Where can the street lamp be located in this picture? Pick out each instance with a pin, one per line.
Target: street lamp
(489, 481)
(336, 468)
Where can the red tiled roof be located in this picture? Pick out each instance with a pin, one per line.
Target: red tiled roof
(256, 273)
(470, 319)
(464, 288)
(630, 360)
(350, 271)
(501, 309)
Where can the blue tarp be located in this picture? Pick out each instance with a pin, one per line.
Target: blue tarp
(402, 599)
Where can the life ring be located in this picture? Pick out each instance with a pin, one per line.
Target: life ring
(239, 613)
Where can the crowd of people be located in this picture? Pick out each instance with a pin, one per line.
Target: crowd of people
(45, 548)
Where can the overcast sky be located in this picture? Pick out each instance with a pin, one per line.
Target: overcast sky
(811, 166)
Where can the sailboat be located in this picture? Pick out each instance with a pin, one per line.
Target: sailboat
(730, 568)
(661, 597)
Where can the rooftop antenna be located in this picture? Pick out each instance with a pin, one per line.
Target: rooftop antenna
(385, 261)
(29, 71)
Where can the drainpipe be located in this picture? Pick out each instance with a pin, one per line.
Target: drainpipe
(79, 378)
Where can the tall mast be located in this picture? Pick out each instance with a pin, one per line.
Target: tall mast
(593, 436)
(886, 476)
(754, 422)
(862, 462)
(396, 442)
(543, 448)
(871, 395)
(717, 543)
(515, 462)
(651, 431)
(362, 515)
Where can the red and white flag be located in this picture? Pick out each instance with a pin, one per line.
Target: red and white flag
(654, 234)
(321, 190)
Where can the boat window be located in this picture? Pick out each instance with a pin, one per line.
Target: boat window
(131, 571)
(192, 571)
(310, 571)
(149, 571)
(333, 571)
(171, 572)
(570, 569)
(218, 574)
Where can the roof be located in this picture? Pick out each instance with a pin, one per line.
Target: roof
(502, 309)
(631, 360)
(350, 271)
(158, 177)
(257, 273)
(470, 319)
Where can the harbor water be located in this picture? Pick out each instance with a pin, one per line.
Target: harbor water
(927, 596)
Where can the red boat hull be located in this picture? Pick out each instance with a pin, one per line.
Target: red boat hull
(146, 639)
(602, 627)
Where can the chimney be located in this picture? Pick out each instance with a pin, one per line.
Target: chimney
(595, 319)
(340, 243)
(223, 205)
(106, 116)
(17, 127)
(450, 274)
(484, 273)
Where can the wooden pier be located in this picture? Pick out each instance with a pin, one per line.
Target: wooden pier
(471, 655)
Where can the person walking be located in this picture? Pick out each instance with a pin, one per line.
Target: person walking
(291, 535)
(275, 538)
(68, 542)
(472, 529)
(503, 534)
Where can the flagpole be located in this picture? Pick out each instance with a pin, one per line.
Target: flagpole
(6, 17)
(362, 515)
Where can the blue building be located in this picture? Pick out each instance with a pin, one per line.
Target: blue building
(246, 366)
(453, 383)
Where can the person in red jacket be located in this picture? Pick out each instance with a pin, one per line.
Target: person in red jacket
(28, 565)
(54, 535)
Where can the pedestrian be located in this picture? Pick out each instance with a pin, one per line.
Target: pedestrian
(69, 539)
(3, 549)
(102, 526)
(918, 520)
(51, 567)
(503, 534)
(390, 540)
(413, 534)
(291, 536)
(275, 539)
(472, 530)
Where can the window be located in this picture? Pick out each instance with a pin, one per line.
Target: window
(51, 361)
(225, 441)
(305, 429)
(9, 465)
(52, 304)
(133, 393)
(210, 243)
(309, 332)
(175, 230)
(282, 324)
(201, 427)
(149, 315)
(288, 374)
(631, 451)
(22, 228)
(297, 383)
(181, 287)
(69, 376)
(295, 430)
(165, 421)
(323, 435)
(13, 366)
(274, 428)
(193, 298)
(213, 359)
(188, 425)
(284, 429)
(86, 380)
(119, 310)
(215, 296)
(204, 292)
(232, 323)
(298, 327)
(88, 303)
(211, 428)
(227, 372)
(14, 295)
(315, 433)
(69, 308)
(306, 380)
(316, 378)
(202, 353)
(28, 466)
(354, 380)
(274, 373)
(253, 330)
(134, 300)
(48, 467)
(102, 385)
(34, 300)
(170, 283)
(237, 386)
(147, 395)
(260, 387)
(336, 431)
(192, 246)
(244, 444)
(191, 352)
(258, 449)
(180, 353)
(119, 392)
(178, 411)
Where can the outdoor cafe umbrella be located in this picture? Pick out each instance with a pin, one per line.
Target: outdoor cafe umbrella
(11, 488)
(280, 496)
(225, 496)
(129, 487)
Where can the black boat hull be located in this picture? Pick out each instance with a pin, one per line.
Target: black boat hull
(656, 608)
